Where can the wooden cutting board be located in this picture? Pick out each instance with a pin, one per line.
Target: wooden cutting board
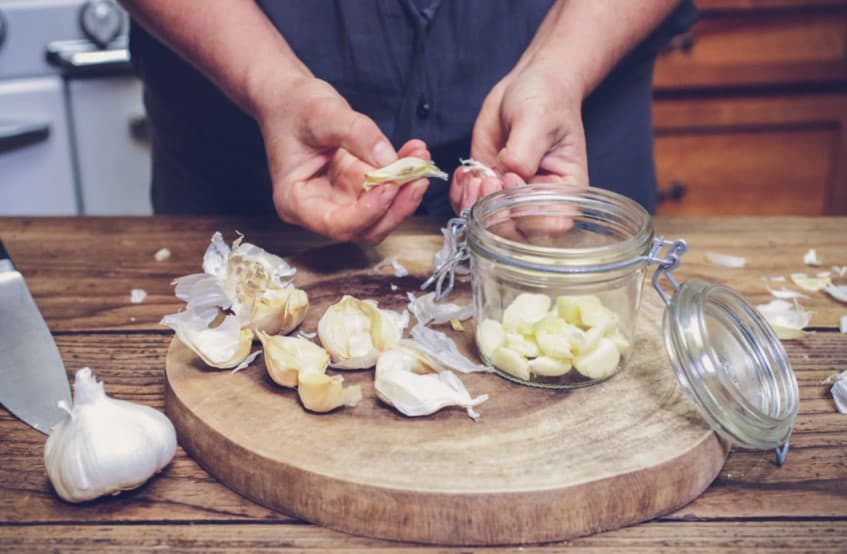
(538, 465)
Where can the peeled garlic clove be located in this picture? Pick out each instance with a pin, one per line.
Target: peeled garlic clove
(321, 393)
(506, 359)
(584, 311)
(599, 362)
(224, 346)
(524, 311)
(554, 337)
(403, 171)
(105, 446)
(355, 331)
(623, 345)
(546, 366)
(521, 344)
(417, 394)
(286, 358)
(489, 336)
(279, 311)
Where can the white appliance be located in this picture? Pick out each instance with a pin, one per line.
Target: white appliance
(71, 113)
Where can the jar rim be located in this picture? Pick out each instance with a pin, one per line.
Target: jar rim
(588, 199)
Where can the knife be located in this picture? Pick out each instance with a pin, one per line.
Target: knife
(32, 376)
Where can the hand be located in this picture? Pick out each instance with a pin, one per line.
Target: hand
(530, 130)
(319, 150)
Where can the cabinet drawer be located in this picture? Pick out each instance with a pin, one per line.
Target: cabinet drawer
(752, 156)
(741, 48)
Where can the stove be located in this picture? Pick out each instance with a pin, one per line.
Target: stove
(73, 137)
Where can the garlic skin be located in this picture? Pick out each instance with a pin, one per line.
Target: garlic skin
(355, 331)
(279, 311)
(286, 358)
(223, 347)
(404, 170)
(105, 446)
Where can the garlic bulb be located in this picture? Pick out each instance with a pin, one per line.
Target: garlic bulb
(105, 446)
(355, 331)
(224, 346)
(321, 393)
(286, 358)
(404, 170)
(400, 382)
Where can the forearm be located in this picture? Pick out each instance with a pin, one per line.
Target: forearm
(245, 56)
(585, 39)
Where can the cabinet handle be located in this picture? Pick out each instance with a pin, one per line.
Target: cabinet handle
(674, 193)
(17, 134)
(683, 41)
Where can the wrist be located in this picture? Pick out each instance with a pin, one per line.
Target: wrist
(267, 84)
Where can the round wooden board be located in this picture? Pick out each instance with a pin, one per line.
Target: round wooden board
(538, 465)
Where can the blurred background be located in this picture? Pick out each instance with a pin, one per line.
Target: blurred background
(750, 111)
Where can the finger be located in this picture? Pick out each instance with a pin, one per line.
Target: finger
(471, 192)
(532, 135)
(404, 205)
(490, 185)
(416, 148)
(512, 180)
(337, 125)
(457, 188)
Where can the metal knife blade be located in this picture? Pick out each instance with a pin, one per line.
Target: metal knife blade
(32, 376)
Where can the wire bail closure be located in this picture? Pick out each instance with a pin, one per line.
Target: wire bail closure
(666, 263)
(457, 253)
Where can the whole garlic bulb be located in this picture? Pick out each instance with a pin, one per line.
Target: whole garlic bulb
(105, 446)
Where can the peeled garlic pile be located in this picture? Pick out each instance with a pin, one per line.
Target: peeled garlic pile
(354, 332)
(105, 446)
(404, 170)
(536, 338)
(242, 290)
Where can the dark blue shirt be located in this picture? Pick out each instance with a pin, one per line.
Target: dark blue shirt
(419, 68)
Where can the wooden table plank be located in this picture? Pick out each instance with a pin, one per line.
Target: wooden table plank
(80, 271)
(813, 483)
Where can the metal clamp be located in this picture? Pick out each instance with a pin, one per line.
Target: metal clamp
(457, 253)
(666, 263)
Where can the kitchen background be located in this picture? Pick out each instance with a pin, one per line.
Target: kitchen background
(750, 111)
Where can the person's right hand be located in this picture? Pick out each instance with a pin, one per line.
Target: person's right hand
(319, 150)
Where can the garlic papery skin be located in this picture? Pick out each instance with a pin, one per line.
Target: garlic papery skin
(355, 331)
(224, 346)
(404, 170)
(286, 358)
(105, 446)
(321, 393)
(279, 311)
(400, 383)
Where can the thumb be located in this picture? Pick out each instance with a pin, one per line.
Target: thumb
(339, 126)
(531, 136)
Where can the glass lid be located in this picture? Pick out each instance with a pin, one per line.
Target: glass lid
(731, 366)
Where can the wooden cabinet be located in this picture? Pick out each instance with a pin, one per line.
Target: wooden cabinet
(751, 110)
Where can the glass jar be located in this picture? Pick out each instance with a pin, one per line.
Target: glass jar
(569, 263)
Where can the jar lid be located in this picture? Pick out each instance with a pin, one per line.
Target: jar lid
(731, 366)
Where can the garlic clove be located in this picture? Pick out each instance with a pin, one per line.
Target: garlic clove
(286, 358)
(546, 366)
(104, 445)
(321, 393)
(521, 344)
(525, 311)
(599, 362)
(506, 359)
(404, 170)
(585, 311)
(224, 346)
(279, 311)
(489, 336)
(355, 331)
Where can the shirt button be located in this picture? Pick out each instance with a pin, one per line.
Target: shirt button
(424, 109)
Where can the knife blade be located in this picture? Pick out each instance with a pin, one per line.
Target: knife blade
(32, 375)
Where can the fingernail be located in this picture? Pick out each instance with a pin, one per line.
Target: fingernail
(383, 153)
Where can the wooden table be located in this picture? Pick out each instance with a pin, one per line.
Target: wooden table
(80, 272)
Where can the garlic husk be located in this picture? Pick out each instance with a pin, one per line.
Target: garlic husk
(440, 257)
(838, 292)
(404, 170)
(786, 319)
(426, 310)
(392, 262)
(286, 358)
(321, 393)
(105, 446)
(441, 350)
(725, 260)
(811, 258)
(224, 346)
(811, 284)
(354, 332)
(279, 311)
(400, 382)
(476, 167)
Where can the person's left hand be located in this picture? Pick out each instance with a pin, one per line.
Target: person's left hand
(530, 130)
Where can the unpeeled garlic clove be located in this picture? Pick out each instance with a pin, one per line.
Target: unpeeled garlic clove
(104, 445)
(224, 346)
(355, 331)
(286, 358)
(279, 311)
(321, 393)
(404, 170)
